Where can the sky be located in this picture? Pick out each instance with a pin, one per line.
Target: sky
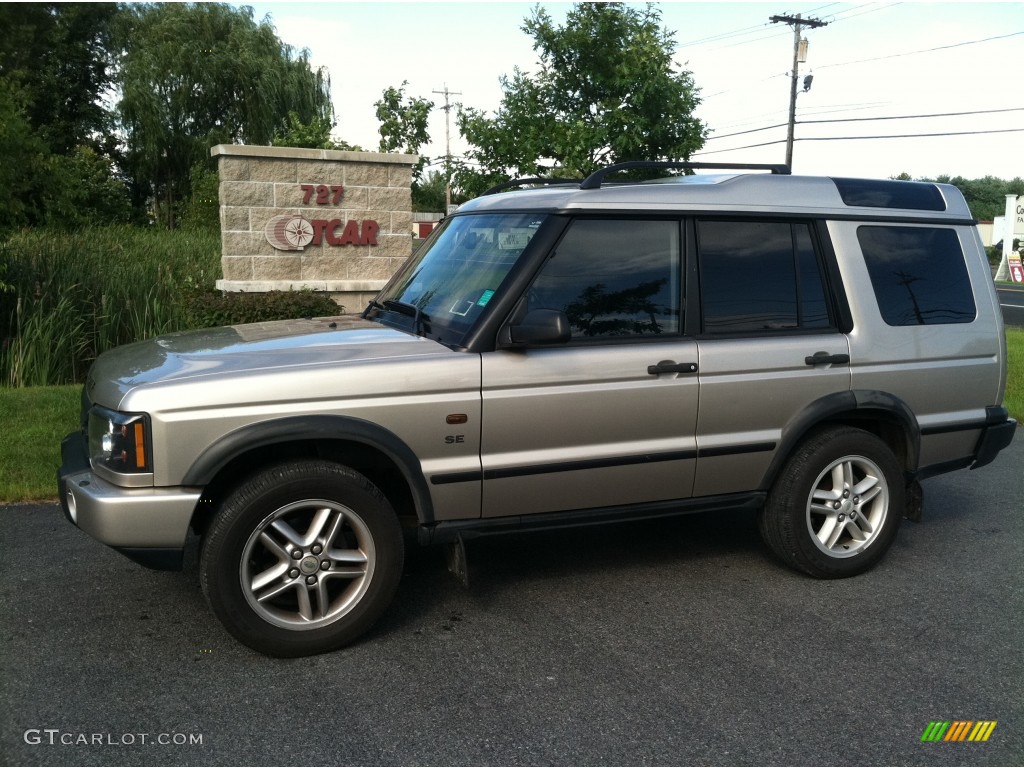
(872, 60)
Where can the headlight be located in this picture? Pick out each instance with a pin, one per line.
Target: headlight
(119, 442)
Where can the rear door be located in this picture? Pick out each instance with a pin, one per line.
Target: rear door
(769, 347)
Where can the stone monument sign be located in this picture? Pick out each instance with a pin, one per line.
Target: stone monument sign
(339, 222)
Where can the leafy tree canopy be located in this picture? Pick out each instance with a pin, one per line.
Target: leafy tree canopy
(197, 74)
(313, 135)
(606, 91)
(403, 123)
(61, 57)
(403, 120)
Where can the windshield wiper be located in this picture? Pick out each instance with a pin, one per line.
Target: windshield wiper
(420, 319)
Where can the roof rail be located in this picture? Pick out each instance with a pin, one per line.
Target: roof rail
(593, 181)
(521, 182)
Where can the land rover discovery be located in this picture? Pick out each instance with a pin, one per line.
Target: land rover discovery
(806, 348)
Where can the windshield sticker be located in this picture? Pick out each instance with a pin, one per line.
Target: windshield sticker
(514, 240)
(486, 297)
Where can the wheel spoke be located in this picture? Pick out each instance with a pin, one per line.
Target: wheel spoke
(841, 477)
(859, 533)
(345, 573)
(261, 580)
(273, 547)
(323, 598)
(274, 591)
(287, 531)
(316, 526)
(346, 556)
(827, 529)
(820, 494)
(305, 607)
(868, 485)
(867, 498)
(835, 534)
(333, 530)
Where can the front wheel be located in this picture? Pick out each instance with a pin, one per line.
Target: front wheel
(837, 505)
(302, 558)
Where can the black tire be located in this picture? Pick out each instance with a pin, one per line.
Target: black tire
(836, 506)
(302, 558)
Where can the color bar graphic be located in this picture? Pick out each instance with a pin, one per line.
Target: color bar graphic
(959, 730)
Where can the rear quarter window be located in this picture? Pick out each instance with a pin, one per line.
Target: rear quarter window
(919, 275)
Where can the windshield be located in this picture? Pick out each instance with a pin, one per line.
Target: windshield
(442, 290)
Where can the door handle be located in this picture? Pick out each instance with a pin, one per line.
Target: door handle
(671, 366)
(821, 358)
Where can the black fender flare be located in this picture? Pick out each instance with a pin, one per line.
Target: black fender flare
(849, 403)
(292, 429)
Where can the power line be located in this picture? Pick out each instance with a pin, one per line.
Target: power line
(858, 138)
(840, 17)
(924, 50)
(910, 135)
(752, 130)
(907, 117)
(723, 36)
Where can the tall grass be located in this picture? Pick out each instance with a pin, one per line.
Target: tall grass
(1014, 398)
(74, 295)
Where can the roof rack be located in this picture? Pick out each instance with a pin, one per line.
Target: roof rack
(593, 181)
(521, 182)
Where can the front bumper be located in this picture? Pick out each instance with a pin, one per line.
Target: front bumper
(149, 525)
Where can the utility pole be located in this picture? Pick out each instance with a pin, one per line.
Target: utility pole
(447, 147)
(797, 23)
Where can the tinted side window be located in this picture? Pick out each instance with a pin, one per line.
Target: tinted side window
(919, 275)
(613, 278)
(760, 276)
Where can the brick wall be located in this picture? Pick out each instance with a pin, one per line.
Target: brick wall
(260, 185)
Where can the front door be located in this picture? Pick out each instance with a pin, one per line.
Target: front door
(609, 418)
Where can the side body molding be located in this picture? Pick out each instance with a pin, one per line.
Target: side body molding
(849, 407)
(315, 427)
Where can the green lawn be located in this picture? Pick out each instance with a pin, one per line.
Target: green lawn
(36, 419)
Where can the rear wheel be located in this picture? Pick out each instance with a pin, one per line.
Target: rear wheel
(302, 558)
(837, 505)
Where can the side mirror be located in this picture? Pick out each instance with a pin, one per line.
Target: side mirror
(541, 326)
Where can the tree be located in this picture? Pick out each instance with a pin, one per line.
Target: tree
(403, 124)
(314, 135)
(55, 135)
(23, 168)
(428, 194)
(606, 91)
(198, 74)
(61, 56)
(986, 196)
(403, 120)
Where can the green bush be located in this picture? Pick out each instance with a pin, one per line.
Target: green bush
(211, 308)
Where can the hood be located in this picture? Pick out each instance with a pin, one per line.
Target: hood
(242, 350)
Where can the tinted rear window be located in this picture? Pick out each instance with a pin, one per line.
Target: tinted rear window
(760, 277)
(919, 275)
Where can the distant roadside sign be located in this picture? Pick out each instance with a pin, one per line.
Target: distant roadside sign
(1016, 269)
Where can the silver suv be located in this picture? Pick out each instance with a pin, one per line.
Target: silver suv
(585, 352)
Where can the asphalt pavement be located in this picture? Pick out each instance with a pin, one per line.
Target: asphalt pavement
(1011, 300)
(676, 642)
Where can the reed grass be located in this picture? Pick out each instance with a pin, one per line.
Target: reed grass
(71, 296)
